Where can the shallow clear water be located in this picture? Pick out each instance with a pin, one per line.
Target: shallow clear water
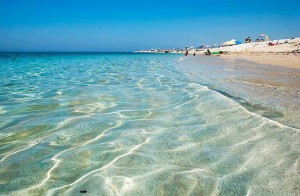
(133, 124)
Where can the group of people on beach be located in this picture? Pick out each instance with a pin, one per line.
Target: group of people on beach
(259, 40)
(187, 52)
(248, 40)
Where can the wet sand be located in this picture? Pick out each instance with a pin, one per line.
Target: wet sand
(263, 87)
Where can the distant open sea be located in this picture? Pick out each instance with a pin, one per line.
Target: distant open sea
(134, 124)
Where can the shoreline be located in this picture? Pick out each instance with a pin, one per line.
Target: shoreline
(268, 88)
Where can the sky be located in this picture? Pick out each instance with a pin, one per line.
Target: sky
(127, 25)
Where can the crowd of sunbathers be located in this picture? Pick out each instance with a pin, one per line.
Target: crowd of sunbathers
(248, 40)
(259, 40)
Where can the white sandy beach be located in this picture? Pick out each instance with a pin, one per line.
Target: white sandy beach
(289, 61)
(285, 53)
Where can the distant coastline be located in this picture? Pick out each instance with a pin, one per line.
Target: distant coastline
(281, 46)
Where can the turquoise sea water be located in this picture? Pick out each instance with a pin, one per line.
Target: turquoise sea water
(134, 124)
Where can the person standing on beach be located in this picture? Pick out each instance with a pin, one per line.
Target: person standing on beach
(186, 51)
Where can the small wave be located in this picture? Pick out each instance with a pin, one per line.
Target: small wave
(255, 84)
(197, 86)
(2, 110)
(244, 105)
(59, 92)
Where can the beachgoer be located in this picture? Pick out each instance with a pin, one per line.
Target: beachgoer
(208, 52)
(248, 40)
(271, 44)
(194, 54)
(186, 53)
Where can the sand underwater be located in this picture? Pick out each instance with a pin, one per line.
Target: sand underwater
(146, 124)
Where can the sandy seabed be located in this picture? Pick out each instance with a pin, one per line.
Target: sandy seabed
(134, 124)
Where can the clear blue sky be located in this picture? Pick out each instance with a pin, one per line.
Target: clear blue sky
(126, 25)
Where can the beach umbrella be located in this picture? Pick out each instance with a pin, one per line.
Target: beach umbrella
(230, 43)
(237, 42)
(264, 36)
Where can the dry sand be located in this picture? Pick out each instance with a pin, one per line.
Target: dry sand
(289, 61)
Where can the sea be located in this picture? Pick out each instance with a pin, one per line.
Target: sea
(147, 124)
